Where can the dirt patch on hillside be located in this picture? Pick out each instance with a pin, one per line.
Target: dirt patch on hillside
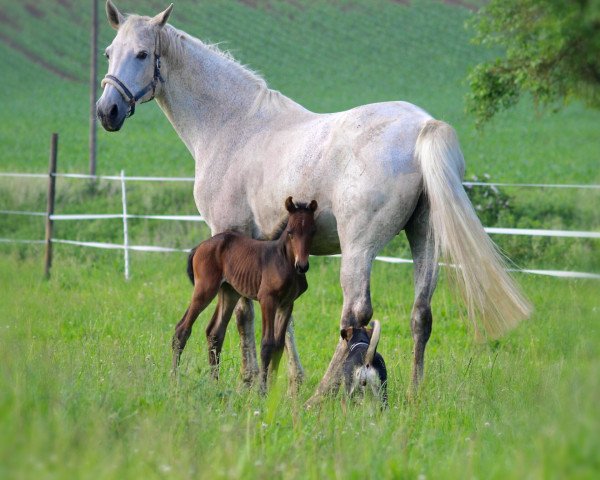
(460, 3)
(36, 58)
(34, 11)
(6, 20)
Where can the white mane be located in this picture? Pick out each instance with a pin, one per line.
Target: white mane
(177, 41)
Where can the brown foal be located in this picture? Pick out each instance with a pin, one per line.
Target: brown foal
(272, 272)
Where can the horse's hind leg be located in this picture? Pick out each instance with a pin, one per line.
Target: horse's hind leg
(215, 330)
(204, 292)
(244, 312)
(425, 279)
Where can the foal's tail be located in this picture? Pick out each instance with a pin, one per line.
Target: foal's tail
(190, 264)
(489, 292)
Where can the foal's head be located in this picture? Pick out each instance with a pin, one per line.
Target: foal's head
(300, 231)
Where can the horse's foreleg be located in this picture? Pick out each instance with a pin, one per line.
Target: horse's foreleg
(357, 311)
(295, 370)
(202, 296)
(217, 327)
(244, 312)
(425, 279)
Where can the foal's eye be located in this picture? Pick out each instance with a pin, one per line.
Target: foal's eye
(107, 55)
(142, 55)
(290, 234)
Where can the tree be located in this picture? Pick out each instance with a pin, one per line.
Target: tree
(551, 50)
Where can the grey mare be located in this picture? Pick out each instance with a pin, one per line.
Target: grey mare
(375, 170)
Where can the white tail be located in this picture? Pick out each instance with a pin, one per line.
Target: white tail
(489, 292)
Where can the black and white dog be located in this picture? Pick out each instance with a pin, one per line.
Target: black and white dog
(364, 367)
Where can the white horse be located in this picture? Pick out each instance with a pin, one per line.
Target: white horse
(375, 170)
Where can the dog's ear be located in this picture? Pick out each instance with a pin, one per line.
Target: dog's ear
(346, 333)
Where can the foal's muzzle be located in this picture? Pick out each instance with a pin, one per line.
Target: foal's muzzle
(302, 268)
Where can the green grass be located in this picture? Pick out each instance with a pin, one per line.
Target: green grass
(85, 389)
(84, 358)
(328, 56)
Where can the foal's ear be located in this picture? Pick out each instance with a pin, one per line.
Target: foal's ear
(346, 333)
(289, 205)
(162, 17)
(313, 206)
(115, 18)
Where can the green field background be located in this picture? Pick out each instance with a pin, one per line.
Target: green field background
(84, 357)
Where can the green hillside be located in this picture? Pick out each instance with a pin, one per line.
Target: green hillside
(85, 357)
(327, 55)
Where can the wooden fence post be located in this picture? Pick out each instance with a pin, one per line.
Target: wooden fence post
(50, 204)
(93, 86)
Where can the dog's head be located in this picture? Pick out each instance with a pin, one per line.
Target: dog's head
(354, 335)
(360, 373)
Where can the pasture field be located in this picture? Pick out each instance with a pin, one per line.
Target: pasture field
(85, 390)
(326, 55)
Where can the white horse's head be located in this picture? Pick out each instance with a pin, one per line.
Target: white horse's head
(134, 70)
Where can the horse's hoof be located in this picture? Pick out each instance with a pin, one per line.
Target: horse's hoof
(313, 401)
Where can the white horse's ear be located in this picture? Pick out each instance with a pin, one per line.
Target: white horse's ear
(162, 17)
(115, 18)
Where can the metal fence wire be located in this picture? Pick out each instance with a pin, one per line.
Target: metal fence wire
(125, 216)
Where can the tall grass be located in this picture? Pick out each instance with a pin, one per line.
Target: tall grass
(85, 390)
(84, 358)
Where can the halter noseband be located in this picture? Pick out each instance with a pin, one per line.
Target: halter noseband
(129, 97)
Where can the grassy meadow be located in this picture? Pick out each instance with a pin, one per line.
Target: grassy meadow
(85, 390)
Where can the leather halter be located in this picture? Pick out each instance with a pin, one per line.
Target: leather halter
(129, 97)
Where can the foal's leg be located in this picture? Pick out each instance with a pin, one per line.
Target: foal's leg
(204, 292)
(215, 330)
(425, 280)
(244, 312)
(268, 305)
(282, 325)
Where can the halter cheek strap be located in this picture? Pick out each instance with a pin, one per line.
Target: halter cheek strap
(129, 97)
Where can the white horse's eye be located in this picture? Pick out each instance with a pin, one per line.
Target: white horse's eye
(142, 55)
(107, 55)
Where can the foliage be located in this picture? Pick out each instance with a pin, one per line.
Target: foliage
(489, 202)
(551, 50)
(84, 358)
